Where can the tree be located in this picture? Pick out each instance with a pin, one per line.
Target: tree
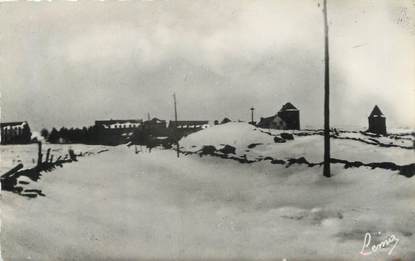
(26, 134)
(63, 135)
(53, 136)
(44, 133)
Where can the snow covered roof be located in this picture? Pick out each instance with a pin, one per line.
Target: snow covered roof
(110, 122)
(288, 107)
(376, 112)
(11, 124)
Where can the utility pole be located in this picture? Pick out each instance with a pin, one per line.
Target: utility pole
(148, 116)
(326, 172)
(175, 125)
(252, 115)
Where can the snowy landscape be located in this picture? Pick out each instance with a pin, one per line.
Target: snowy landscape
(207, 130)
(119, 205)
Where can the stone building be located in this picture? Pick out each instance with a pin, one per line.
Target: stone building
(377, 122)
(287, 118)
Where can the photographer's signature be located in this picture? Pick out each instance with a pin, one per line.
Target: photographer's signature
(368, 248)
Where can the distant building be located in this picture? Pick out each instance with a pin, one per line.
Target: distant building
(115, 132)
(119, 124)
(189, 125)
(377, 122)
(179, 129)
(15, 132)
(288, 118)
(156, 127)
(155, 123)
(273, 122)
(291, 116)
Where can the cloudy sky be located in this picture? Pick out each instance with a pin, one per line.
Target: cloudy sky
(70, 63)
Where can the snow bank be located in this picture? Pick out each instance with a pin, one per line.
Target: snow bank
(237, 134)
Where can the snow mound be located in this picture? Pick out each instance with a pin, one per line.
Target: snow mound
(237, 134)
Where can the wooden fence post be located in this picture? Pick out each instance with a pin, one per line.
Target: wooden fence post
(47, 155)
(39, 153)
(12, 171)
(72, 155)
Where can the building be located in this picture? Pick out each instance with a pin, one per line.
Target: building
(156, 127)
(273, 122)
(155, 123)
(288, 118)
(183, 128)
(15, 132)
(291, 116)
(189, 125)
(377, 122)
(115, 132)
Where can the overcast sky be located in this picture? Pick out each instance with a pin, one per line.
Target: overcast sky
(70, 63)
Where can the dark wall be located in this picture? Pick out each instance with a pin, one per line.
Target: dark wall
(22, 136)
(114, 136)
(377, 125)
(291, 118)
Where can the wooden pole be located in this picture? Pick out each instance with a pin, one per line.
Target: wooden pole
(327, 171)
(39, 153)
(12, 171)
(175, 125)
(47, 156)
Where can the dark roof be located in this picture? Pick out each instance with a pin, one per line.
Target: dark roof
(181, 123)
(266, 120)
(376, 112)
(288, 107)
(116, 121)
(3, 124)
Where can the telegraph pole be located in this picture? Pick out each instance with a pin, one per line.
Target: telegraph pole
(326, 172)
(175, 125)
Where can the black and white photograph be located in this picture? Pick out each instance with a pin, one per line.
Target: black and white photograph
(207, 130)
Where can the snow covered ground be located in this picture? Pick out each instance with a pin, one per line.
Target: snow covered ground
(241, 135)
(119, 205)
(11, 155)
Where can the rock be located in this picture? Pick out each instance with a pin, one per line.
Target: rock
(228, 149)
(208, 150)
(253, 145)
(408, 170)
(287, 136)
(277, 161)
(279, 140)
